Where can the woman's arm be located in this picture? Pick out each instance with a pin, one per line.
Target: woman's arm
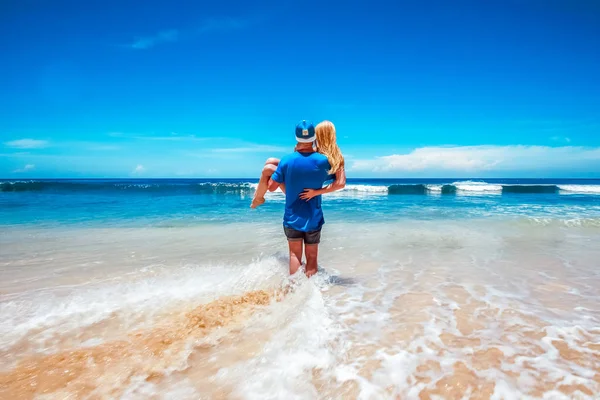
(338, 184)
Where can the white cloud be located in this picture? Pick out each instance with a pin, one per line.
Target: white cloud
(561, 139)
(27, 144)
(225, 24)
(480, 159)
(26, 168)
(139, 169)
(147, 42)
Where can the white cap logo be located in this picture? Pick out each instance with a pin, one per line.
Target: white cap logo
(304, 132)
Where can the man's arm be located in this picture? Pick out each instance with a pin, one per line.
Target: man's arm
(273, 185)
(338, 184)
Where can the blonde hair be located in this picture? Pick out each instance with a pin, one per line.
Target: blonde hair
(327, 145)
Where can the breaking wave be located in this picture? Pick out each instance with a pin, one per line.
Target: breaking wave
(129, 186)
(245, 188)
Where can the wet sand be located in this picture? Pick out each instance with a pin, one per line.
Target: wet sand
(473, 310)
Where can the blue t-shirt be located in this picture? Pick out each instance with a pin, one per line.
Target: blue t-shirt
(299, 171)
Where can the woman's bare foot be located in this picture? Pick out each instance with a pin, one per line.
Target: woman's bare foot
(257, 202)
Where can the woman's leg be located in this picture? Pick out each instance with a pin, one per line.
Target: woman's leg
(263, 184)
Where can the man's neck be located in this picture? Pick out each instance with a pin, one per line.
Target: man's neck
(305, 148)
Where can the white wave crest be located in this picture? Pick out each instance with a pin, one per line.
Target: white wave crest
(366, 188)
(580, 189)
(41, 319)
(434, 188)
(477, 187)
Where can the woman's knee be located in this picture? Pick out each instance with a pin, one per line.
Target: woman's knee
(272, 161)
(269, 169)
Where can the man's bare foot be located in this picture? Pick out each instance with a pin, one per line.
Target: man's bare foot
(257, 202)
(310, 272)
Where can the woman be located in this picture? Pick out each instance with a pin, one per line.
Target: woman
(327, 145)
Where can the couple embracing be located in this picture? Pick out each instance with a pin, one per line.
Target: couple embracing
(316, 160)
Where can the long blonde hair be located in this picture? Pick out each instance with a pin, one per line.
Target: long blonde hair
(327, 145)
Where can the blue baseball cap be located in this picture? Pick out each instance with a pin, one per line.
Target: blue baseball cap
(305, 132)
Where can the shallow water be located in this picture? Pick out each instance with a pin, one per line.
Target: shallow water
(418, 297)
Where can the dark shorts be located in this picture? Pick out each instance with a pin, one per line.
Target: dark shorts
(313, 237)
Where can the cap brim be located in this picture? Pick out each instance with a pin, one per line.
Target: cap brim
(310, 140)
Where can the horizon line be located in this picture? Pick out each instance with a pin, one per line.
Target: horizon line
(242, 178)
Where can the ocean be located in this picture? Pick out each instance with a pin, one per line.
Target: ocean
(176, 289)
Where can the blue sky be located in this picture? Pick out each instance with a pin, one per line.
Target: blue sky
(211, 89)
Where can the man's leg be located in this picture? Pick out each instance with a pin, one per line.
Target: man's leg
(295, 242)
(295, 255)
(311, 251)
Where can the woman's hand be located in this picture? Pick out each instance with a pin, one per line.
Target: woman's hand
(308, 194)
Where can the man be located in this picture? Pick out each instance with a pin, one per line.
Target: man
(302, 220)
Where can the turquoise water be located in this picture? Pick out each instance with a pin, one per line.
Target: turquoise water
(148, 202)
(426, 289)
